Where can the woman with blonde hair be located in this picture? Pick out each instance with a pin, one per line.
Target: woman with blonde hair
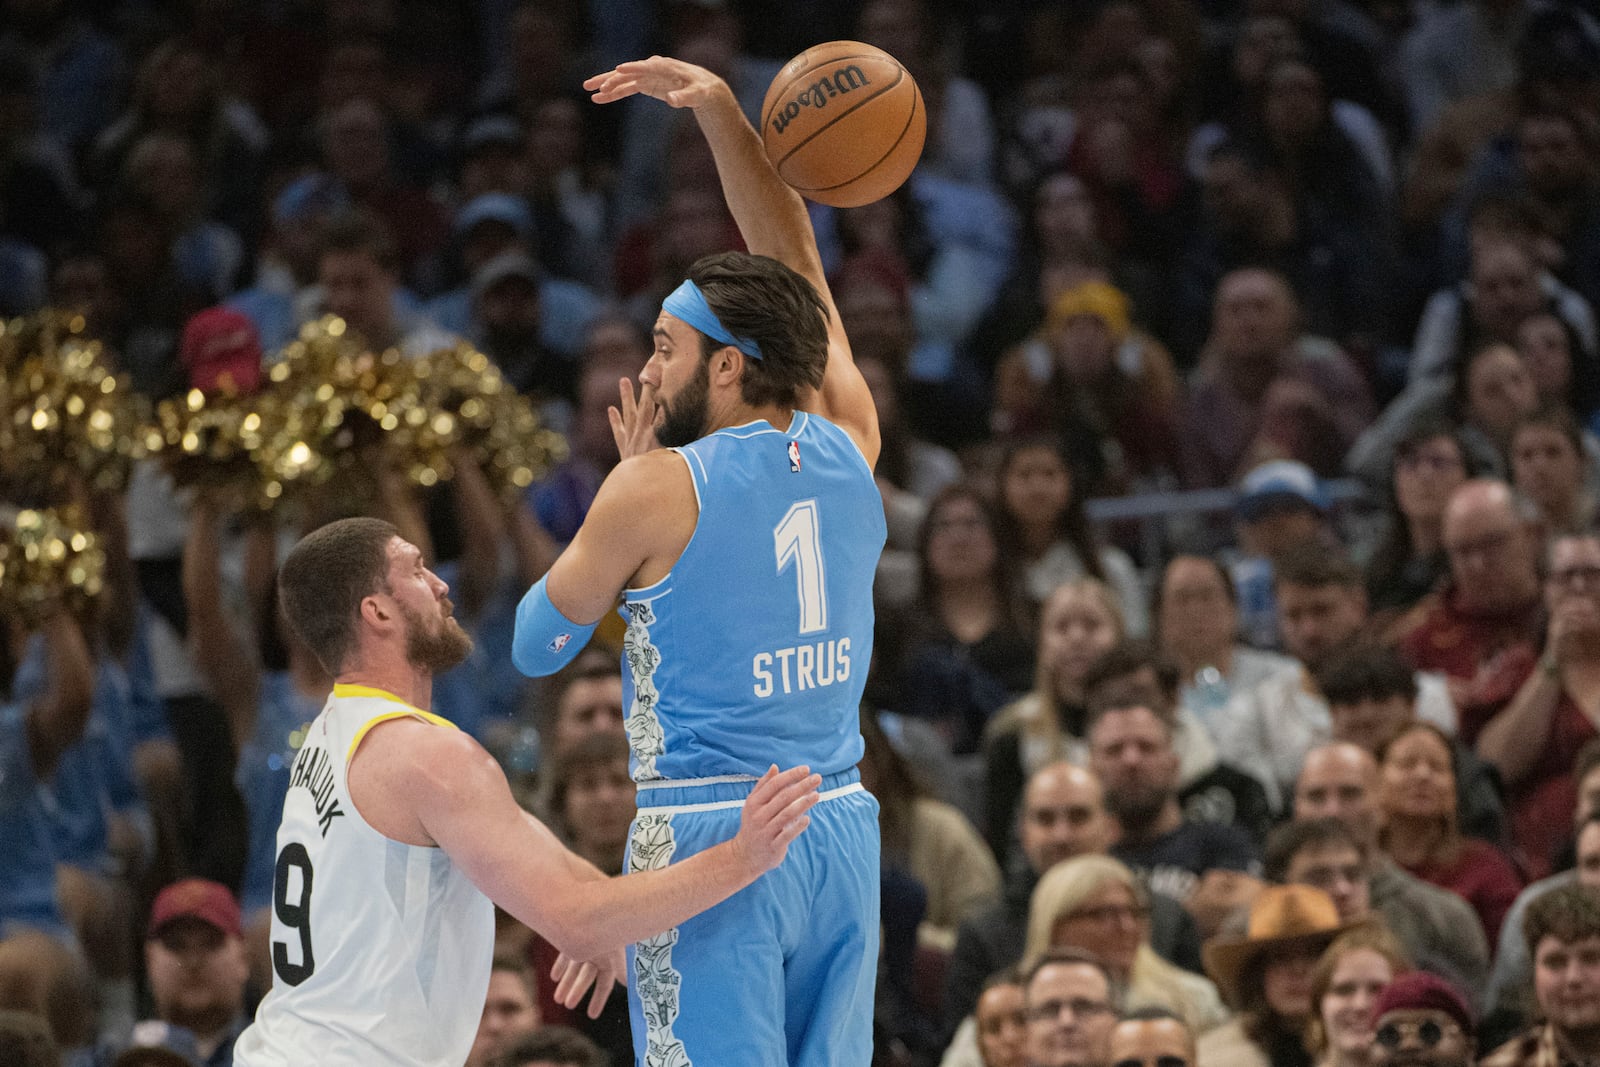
(1096, 904)
(1345, 984)
(1078, 623)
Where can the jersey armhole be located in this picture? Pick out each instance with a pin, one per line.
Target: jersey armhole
(855, 446)
(378, 720)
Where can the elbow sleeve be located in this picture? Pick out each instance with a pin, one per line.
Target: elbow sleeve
(545, 640)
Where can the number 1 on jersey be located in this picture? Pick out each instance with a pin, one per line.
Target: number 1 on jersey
(798, 540)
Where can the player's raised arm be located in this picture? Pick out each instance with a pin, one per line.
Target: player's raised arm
(771, 216)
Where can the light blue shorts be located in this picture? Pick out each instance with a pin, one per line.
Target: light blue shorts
(782, 973)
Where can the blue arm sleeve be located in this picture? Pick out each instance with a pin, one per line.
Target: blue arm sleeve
(545, 640)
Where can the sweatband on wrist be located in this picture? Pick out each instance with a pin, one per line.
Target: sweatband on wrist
(688, 303)
(545, 640)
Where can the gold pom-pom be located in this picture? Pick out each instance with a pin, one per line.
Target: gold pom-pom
(474, 407)
(65, 415)
(48, 559)
(216, 442)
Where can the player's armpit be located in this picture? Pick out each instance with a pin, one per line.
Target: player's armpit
(644, 513)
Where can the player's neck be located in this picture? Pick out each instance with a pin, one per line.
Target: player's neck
(741, 414)
(391, 672)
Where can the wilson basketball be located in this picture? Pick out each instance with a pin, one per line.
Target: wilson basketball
(843, 123)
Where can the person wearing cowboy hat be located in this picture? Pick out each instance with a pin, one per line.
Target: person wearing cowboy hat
(1265, 975)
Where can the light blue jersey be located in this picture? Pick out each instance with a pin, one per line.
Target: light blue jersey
(754, 649)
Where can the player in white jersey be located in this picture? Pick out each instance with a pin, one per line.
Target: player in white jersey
(399, 831)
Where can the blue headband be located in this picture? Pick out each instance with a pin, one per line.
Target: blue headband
(688, 303)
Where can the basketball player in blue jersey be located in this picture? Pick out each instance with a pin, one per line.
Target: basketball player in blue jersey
(743, 552)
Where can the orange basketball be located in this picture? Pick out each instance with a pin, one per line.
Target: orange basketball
(844, 123)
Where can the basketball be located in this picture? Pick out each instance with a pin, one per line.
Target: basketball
(843, 123)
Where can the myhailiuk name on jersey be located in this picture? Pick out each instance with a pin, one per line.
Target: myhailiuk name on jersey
(801, 667)
(313, 772)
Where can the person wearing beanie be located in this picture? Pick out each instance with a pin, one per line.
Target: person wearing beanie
(1421, 1020)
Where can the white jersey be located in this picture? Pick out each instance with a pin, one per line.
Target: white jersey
(381, 951)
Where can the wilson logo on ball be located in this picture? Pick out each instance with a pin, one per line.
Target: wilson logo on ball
(843, 123)
(819, 93)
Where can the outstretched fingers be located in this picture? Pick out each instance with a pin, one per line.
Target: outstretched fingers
(780, 799)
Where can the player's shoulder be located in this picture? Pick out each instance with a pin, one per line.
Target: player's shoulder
(413, 737)
(653, 476)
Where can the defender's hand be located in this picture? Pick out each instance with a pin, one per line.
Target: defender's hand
(634, 425)
(774, 815)
(573, 978)
(678, 83)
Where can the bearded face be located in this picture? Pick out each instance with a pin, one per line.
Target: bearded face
(683, 418)
(435, 645)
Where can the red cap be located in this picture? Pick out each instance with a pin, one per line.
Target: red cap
(220, 343)
(196, 898)
(1421, 991)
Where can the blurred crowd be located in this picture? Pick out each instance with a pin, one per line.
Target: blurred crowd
(1301, 770)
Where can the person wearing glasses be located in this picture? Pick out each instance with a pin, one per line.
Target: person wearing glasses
(1562, 931)
(1429, 464)
(1481, 628)
(1151, 1037)
(1532, 739)
(1071, 1001)
(1420, 1020)
(1531, 742)
(1096, 904)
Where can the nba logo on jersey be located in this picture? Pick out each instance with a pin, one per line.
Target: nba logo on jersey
(794, 456)
(559, 643)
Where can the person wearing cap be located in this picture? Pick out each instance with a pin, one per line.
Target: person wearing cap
(1562, 932)
(506, 326)
(1421, 1020)
(1087, 372)
(1322, 608)
(1265, 390)
(492, 156)
(1280, 505)
(221, 351)
(194, 956)
(490, 232)
(1265, 975)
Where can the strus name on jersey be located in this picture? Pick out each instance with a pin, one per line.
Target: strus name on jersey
(313, 772)
(801, 667)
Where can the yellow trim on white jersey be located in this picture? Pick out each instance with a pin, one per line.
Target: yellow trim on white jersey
(409, 711)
